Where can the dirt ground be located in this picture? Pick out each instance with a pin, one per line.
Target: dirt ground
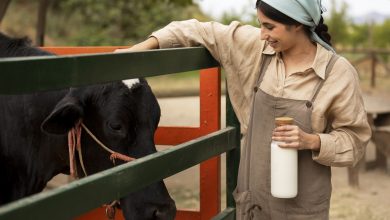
(371, 201)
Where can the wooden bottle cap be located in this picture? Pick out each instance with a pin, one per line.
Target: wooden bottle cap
(283, 121)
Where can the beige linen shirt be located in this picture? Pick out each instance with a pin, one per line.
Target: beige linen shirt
(238, 48)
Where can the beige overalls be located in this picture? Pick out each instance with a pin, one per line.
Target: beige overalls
(252, 195)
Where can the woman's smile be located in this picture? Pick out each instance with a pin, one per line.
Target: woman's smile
(272, 43)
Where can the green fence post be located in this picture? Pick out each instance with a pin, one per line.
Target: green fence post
(232, 162)
(233, 156)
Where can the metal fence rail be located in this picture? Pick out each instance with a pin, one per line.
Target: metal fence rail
(32, 74)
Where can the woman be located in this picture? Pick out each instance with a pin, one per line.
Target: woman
(287, 68)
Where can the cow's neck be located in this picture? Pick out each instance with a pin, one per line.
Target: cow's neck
(26, 165)
(42, 171)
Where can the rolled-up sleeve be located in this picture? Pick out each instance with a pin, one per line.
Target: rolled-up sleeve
(350, 132)
(190, 33)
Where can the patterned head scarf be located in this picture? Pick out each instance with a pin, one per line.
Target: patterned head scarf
(307, 12)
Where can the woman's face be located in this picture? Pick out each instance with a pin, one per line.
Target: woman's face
(279, 36)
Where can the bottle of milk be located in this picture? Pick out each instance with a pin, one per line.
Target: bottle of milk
(284, 167)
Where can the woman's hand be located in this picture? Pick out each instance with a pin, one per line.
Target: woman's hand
(292, 136)
(148, 44)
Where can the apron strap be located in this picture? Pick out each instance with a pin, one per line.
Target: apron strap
(328, 69)
(265, 61)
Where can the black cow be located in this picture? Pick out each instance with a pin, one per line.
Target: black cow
(34, 127)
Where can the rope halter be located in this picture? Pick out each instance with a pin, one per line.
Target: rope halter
(74, 143)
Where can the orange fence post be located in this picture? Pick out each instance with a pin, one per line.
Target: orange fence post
(210, 121)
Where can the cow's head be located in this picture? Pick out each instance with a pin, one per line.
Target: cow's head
(123, 117)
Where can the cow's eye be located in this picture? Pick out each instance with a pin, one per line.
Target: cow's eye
(114, 126)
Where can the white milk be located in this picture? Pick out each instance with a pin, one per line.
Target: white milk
(284, 171)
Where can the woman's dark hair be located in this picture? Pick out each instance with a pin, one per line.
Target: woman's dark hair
(272, 13)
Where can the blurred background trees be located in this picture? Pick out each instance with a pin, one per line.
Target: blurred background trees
(92, 22)
(346, 31)
(122, 22)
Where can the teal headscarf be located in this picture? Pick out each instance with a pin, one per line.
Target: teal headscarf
(307, 12)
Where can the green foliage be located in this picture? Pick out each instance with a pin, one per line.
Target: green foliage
(123, 22)
(358, 35)
(345, 33)
(338, 24)
(381, 34)
(115, 22)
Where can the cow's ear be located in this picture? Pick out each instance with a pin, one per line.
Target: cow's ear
(64, 116)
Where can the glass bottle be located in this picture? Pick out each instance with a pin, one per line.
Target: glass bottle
(284, 166)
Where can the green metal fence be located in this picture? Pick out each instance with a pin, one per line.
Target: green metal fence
(32, 74)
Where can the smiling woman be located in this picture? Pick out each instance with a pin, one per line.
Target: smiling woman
(286, 68)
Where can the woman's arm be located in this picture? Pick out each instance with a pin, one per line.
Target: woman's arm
(345, 143)
(148, 44)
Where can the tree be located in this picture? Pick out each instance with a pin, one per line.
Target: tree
(41, 16)
(338, 24)
(41, 22)
(381, 34)
(120, 21)
(92, 22)
(359, 35)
